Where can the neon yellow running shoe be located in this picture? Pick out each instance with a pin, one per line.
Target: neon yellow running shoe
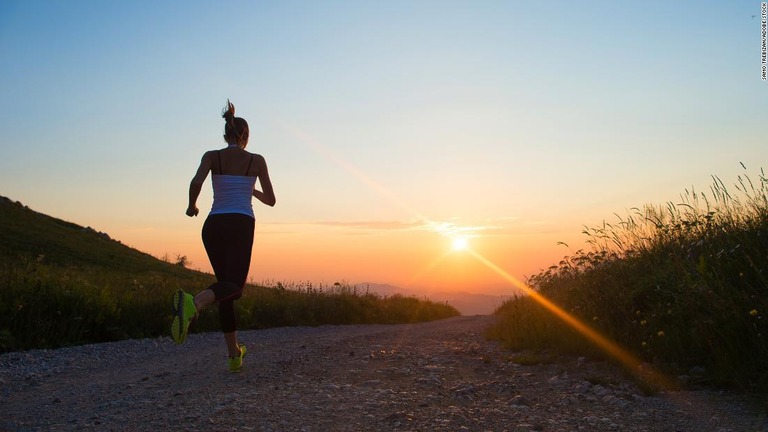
(236, 363)
(185, 312)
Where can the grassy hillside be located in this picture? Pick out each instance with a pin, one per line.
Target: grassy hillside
(683, 286)
(64, 284)
(27, 235)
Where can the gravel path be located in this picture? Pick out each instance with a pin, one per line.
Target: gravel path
(438, 376)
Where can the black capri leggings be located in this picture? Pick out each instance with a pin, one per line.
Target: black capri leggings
(228, 240)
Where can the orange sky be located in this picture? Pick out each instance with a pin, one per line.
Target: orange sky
(409, 257)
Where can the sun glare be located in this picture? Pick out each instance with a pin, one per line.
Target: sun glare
(459, 243)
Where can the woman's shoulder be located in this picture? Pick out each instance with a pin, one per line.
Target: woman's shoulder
(211, 153)
(207, 157)
(256, 156)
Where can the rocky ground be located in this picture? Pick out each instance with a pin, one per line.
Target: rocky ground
(438, 376)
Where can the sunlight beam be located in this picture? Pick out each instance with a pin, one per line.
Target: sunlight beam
(609, 347)
(426, 269)
(355, 172)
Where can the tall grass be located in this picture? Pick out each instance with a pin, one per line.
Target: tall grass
(48, 306)
(682, 285)
(308, 304)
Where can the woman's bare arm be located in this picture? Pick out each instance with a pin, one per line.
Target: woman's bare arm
(196, 185)
(267, 194)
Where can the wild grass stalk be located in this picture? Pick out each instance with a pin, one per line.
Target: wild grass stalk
(682, 285)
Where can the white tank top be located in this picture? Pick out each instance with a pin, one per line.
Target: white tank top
(232, 194)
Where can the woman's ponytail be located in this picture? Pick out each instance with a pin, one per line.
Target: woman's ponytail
(236, 130)
(228, 113)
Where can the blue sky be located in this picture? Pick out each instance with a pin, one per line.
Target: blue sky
(533, 117)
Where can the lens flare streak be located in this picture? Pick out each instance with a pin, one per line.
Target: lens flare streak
(609, 347)
(355, 172)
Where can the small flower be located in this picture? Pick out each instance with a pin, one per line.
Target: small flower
(660, 333)
(644, 344)
(753, 312)
(643, 322)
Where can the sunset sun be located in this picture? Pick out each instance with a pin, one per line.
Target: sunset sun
(459, 243)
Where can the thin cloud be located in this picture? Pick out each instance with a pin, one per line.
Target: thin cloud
(490, 228)
(358, 226)
(372, 225)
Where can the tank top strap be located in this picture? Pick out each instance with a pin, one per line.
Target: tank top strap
(247, 170)
(219, 154)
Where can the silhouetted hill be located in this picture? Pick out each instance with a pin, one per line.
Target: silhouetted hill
(28, 235)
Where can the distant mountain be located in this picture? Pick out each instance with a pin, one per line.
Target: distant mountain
(466, 303)
(470, 303)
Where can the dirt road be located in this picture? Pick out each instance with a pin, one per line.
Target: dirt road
(425, 377)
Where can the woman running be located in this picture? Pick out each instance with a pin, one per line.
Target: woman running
(227, 231)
